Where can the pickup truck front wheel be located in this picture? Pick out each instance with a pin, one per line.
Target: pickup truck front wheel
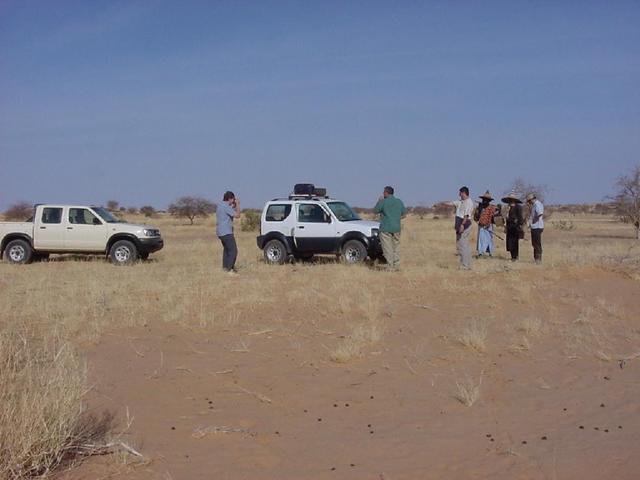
(18, 251)
(123, 252)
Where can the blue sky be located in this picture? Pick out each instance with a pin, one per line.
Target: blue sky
(143, 102)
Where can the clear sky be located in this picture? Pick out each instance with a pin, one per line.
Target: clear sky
(143, 102)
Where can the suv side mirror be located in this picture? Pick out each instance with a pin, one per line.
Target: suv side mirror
(327, 218)
(96, 221)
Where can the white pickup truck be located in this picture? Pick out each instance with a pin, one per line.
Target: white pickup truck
(76, 229)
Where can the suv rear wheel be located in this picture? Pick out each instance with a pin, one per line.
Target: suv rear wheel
(354, 251)
(275, 252)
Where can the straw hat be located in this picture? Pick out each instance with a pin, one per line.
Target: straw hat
(531, 196)
(486, 195)
(511, 197)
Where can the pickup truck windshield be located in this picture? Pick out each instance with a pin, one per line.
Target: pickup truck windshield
(343, 211)
(105, 215)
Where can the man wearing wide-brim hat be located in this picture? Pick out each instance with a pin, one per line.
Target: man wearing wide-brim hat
(484, 215)
(514, 226)
(536, 224)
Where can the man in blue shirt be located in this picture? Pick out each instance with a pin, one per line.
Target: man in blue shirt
(536, 223)
(225, 213)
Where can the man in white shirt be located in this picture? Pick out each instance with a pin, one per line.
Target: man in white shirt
(464, 214)
(536, 223)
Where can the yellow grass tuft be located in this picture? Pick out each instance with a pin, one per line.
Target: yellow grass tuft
(474, 336)
(468, 391)
(42, 415)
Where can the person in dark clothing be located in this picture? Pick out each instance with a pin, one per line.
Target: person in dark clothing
(514, 227)
(225, 213)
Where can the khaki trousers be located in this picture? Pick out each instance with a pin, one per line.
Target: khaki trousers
(391, 248)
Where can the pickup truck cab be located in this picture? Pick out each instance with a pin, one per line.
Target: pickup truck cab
(76, 229)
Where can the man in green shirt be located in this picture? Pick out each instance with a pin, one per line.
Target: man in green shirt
(391, 210)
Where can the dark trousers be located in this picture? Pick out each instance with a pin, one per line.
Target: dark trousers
(229, 251)
(513, 243)
(536, 242)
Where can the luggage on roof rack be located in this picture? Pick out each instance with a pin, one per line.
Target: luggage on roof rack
(309, 190)
(303, 189)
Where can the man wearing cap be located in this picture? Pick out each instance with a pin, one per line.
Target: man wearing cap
(391, 210)
(484, 214)
(464, 213)
(514, 224)
(225, 213)
(536, 224)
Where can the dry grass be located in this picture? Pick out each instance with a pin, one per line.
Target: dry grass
(42, 415)
(531, 326)
(468, 391)
(353, 345)
(183, 285)
(474, 336)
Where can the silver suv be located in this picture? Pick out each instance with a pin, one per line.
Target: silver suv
(301, 226)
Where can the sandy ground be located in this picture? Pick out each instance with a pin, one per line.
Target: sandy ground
(284, 411)
(257, 396)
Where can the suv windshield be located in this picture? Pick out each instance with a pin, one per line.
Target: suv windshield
(343, 211)
(105, 215)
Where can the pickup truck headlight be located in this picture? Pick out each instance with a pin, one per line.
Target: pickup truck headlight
(151, 232)
(375, 232)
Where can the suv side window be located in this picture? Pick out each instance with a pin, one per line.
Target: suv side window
(277, 212)
(82, 216)
(52, 215)
(311, 213)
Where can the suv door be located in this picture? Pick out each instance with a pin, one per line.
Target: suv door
(85, 231)
(315, 231)
(49, 232)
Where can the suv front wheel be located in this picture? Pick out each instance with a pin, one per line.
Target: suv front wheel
(275, 252)
(354, 251)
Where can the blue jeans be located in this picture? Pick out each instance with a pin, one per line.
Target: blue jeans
(229, 252)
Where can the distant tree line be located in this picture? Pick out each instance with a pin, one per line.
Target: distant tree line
(625, 203)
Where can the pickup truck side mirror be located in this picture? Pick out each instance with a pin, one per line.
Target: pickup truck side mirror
(97, 222)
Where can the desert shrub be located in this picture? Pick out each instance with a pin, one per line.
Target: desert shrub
(250, 220)
(147, 210)
(113, 205)
(442, 210)
(18, 212)
(564, 225)
(132, 210)
(43, 421)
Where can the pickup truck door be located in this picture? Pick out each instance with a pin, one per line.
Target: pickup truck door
(315, 231)
(84, 231)
(48, 233)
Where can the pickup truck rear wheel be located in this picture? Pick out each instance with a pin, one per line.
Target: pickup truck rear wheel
(354, 251)
(18, 251)
(123, 252)
(275, 252)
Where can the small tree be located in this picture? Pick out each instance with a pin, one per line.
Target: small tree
(147, 210)
(192, 207)
(627, 198)
(19, 211)
(113, 206)
(132, 210)
(524, 188)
